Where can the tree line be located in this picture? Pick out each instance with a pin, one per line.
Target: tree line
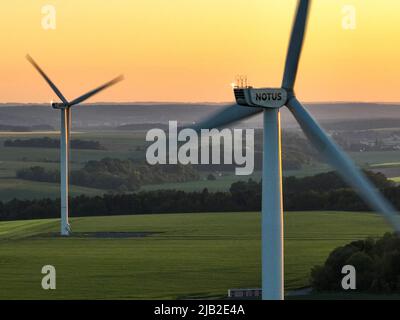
(47, 142)
(114, 174)
(302, 194)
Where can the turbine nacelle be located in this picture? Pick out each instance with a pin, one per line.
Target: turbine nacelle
(261, 98)
(59, 105)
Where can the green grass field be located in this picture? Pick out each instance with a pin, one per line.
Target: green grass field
(189, 255)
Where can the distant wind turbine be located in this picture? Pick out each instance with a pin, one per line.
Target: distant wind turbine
(65, 107)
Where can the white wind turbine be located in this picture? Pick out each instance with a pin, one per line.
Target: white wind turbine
(252, 101)
(65, 109)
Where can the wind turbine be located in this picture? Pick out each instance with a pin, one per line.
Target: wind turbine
(65, 108)
(249, 102)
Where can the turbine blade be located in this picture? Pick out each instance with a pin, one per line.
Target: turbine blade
(227, 116)
(295, 44)
(50, 83)
(95, 91)
(343, 164)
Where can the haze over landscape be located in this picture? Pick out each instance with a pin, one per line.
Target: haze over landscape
(112, 115)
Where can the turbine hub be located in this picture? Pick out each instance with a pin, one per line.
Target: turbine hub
(261, 98)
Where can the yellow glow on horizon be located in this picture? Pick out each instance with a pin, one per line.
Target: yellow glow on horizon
(188, 50)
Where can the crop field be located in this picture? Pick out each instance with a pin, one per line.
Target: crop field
(169, 256)
(377, 158)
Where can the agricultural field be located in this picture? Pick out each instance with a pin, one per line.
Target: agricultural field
(28, 190)
(395, 179)
(120, 145)
(222, 183)
(173, 256)
(130, 145)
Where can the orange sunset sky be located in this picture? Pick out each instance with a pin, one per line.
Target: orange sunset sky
(191, 50)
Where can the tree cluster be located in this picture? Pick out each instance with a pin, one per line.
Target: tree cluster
(114, 174)
(376, 262)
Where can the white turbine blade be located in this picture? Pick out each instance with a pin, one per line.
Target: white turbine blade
(343, 164)
(49, 82)
(95, 91)
(296, 44)
(227, 116)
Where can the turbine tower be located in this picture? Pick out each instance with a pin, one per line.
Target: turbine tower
(65, 110)
(249, 102)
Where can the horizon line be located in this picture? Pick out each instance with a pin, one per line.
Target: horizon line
(200, 102)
